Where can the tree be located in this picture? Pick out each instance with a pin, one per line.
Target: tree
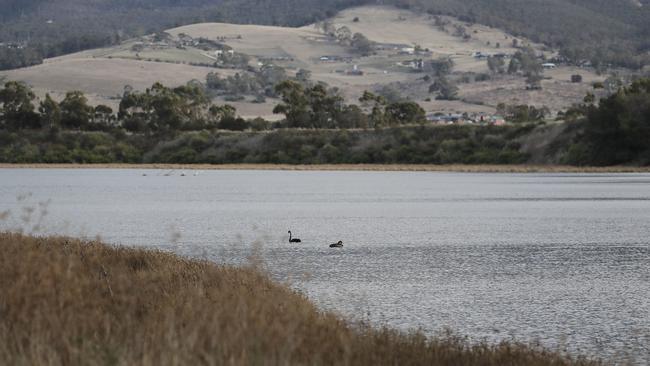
(405, 113)
(328, 27)
(496, 64)
(445, 88)
(378, 103)
(618, 129)
(103, 116)
(344, 35)
(325, 107)
(524, 113)
(442, 66)
(361, 44)
(303, 75)
(223, 116)
(17, 110)
(50, 112)
(534, 81)
(525, 61)
(75, 111)
(295, 105)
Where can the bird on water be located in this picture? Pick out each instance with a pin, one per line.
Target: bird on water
(337, 245)
(293, 240)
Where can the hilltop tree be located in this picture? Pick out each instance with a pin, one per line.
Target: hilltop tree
(361, 44)
(344, 35)
(496, 65)
(442, 66)
(525, 61)
(445, 88)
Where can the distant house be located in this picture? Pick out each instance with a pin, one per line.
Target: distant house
(497, 120)
(434, 117)
(417, 64)
(445, 119)
(355, 71)
(480, 55)
(333, 58)
(407, 51)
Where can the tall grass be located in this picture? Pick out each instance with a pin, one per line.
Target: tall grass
(71, 302)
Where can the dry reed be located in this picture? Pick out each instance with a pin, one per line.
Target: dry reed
(70, 302)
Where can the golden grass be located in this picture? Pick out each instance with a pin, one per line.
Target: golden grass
(70, 302)
(485, 168)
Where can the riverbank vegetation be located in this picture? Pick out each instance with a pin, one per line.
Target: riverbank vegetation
(616, 130)
(181, 125)
(72, 302)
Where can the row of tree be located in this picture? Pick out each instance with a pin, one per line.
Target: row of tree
(157, 110)
(18, 110)
(163, 110)
(319, 107)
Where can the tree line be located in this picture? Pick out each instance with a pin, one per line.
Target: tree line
(163, 110)
(182, 125)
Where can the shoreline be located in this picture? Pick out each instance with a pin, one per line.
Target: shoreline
(456, 168)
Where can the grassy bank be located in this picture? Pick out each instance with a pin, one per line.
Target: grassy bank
(66, 301)
(463, 168)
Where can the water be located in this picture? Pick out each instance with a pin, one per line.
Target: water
(563, 259)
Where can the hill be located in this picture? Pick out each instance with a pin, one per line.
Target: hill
(605, 32)
(183, 54)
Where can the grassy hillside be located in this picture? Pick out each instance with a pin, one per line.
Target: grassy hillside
(71, 302)
(103, 73)
(604, 31)
(598, 30)
(51, 28)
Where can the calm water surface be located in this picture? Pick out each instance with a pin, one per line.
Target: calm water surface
(563, 259)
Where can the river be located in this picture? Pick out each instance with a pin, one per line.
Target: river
(559, 259)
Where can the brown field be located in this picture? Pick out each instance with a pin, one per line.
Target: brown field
(103, 73)
(102, 79)
(72, 302)
(350, 167)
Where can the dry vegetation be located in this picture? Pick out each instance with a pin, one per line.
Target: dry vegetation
(66, 301)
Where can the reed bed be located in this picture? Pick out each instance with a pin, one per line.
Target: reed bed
(65, 301)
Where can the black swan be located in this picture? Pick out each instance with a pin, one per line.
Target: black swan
(337, 245)
(294, 240)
